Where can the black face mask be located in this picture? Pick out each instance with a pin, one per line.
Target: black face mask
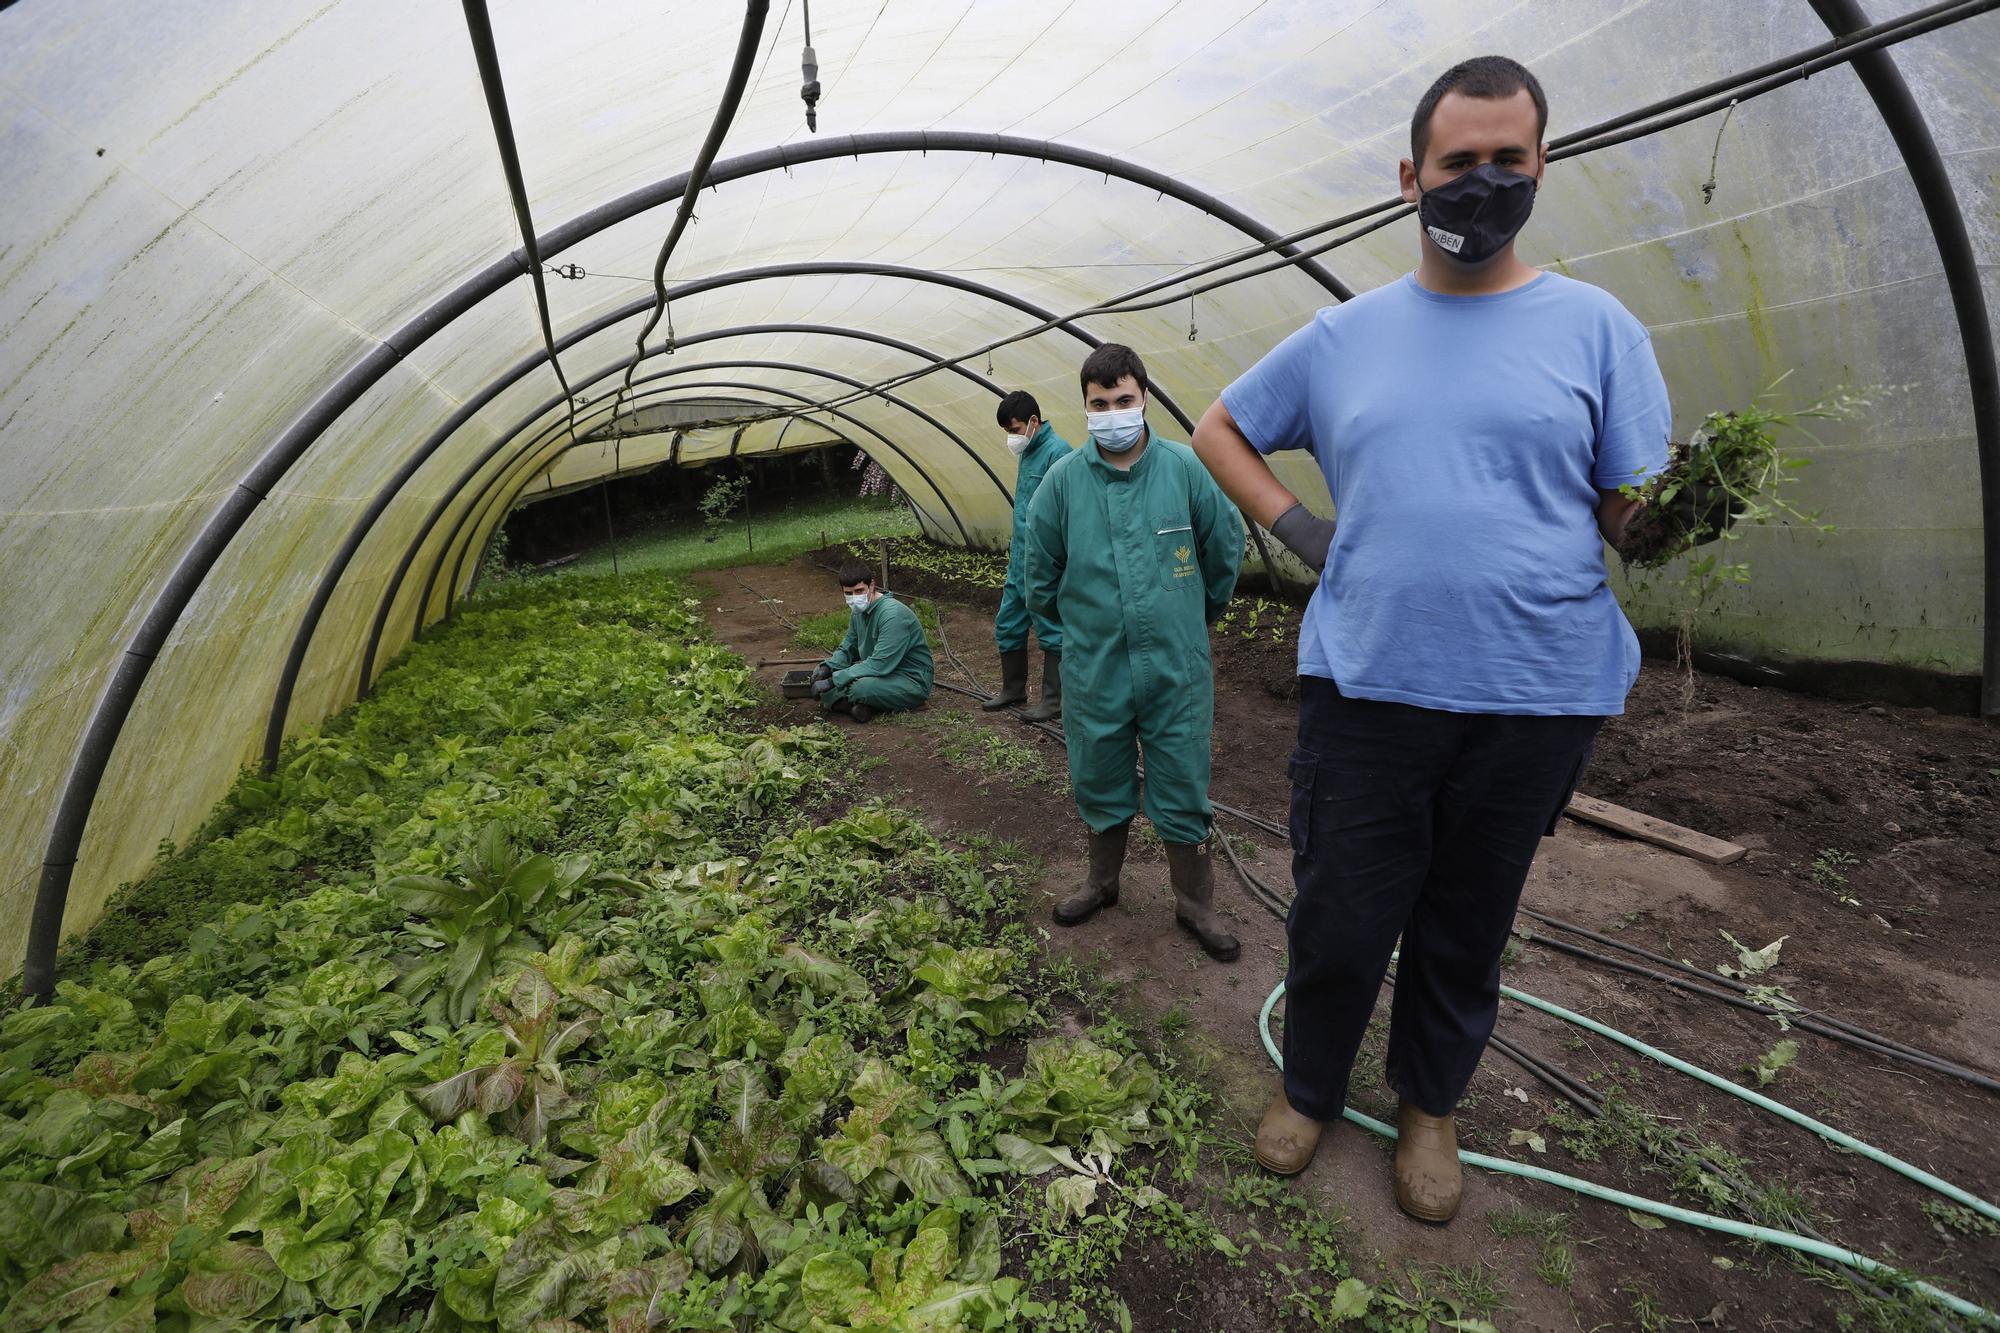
(1473, 215)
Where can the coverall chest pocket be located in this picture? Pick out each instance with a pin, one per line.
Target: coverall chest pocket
(1173, 549)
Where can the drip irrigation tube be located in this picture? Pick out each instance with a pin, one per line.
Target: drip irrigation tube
(1728, 1226)
(1758, 1099)
(1803, 1019)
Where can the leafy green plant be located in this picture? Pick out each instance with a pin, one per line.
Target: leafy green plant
(1077, 1093)
(516, 1073)
(722, 499)
(1731, 475)
(1771, 1062)
(483, 917)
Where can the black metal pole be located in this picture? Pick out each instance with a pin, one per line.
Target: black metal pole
(737, 331)
(490, 497)
(1907, 126)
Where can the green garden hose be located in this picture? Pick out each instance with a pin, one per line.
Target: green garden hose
(1728, 1226)
(1779, 1109)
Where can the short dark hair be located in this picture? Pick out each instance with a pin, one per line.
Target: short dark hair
(853, 572)
(1109, 364)
(1017, 406)
(1481, 76)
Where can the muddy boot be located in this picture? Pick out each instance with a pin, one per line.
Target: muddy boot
(1427, 1171)
(1013, 681)
(1286, 1140)
(1193, 871)
(860, 712)
(1107, 857)
(1050, 706)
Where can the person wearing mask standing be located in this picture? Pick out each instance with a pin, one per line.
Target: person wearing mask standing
(1475, 422)
(1037, 447)
(1135, 551)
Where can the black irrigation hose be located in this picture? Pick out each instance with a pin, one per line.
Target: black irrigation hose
(1657, 118)
(1742, 988)
(1797, 1020)
(725, 113)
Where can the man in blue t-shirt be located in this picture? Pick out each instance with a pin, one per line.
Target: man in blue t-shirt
(1475, 422)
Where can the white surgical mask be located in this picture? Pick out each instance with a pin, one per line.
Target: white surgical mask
(1017, 445)
(1116, 432)
(856, 601)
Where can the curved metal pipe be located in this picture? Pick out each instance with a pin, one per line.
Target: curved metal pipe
(672, 457)
(114, 704)
(493, 497)
(330, 578)
(423, 603)
(527, 463)
(444, 501)
(1907, 126)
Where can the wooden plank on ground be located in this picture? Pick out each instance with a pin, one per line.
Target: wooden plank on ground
(1659, 832)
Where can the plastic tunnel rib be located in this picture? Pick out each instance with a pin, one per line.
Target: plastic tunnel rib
(272, 358)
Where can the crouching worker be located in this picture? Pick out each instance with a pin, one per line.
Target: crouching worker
(884, 663)
(1133, 549)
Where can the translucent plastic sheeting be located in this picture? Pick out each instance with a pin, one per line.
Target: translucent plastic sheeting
(215, 210)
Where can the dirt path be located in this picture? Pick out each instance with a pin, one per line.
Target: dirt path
(1904, 975)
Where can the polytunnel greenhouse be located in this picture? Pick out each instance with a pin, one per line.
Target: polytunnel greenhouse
(445, 883)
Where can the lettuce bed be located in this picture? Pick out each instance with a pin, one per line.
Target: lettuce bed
(523, 998)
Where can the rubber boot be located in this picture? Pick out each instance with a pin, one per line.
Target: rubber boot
(1192, 868)
(1428, 1185)
(1013, 681)
(1050, 706)
(1100, 890)
(1286, 1140)
(860, 712)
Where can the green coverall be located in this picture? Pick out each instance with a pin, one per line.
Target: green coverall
(1136, 565)
(885, 660)
(1010, 624)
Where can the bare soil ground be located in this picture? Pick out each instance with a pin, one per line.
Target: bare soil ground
(1875, 851)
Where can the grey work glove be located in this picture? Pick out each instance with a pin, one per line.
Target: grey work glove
(821, 684)
(1306, 535)
(824, 671)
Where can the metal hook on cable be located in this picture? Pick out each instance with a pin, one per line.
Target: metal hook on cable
(1191, 328)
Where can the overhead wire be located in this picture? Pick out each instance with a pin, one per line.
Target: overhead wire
(1653, 118)
(754, 14)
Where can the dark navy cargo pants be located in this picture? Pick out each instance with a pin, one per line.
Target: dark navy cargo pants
(1416, 823)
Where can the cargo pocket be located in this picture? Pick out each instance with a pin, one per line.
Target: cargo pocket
(1173, 546)
(1304, 769)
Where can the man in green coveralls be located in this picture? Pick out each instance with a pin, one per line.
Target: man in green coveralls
(884, 663)
(1029, 439)
(1135, 550)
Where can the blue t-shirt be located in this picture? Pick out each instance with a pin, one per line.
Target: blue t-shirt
(1464, 440)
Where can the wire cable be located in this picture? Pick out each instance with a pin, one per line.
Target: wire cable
(1641, 122)
(479, 27)
(725, 114)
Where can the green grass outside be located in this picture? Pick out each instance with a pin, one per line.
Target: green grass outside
(823, 632)
(772, 536)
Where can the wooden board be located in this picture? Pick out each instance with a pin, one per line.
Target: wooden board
(1659, 832)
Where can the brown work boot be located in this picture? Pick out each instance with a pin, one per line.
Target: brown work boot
(1286, 1140)
(1107, 858)
(1192, 869)
(1428, 1185)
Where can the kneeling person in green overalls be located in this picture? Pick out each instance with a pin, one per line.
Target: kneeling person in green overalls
(884, 663)
(1134, 551)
